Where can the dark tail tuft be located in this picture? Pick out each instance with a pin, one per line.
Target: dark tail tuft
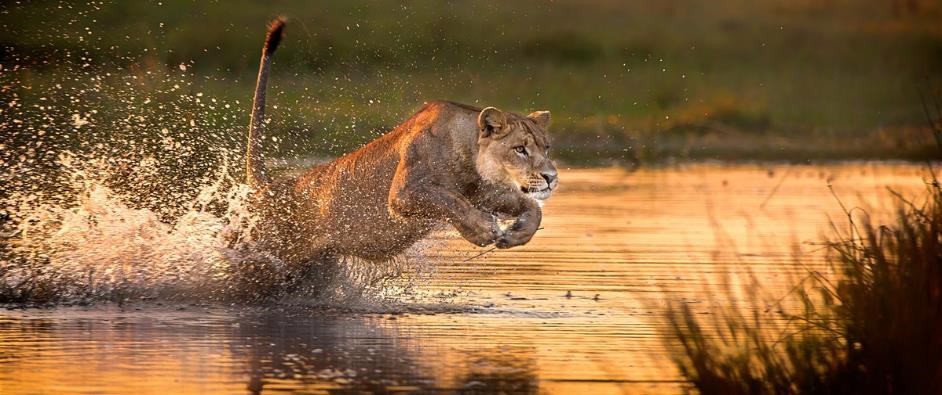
(275, 31)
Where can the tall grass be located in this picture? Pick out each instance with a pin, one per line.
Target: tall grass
(877, 328)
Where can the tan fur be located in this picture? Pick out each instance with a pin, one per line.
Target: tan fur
(448, 163)
(255, 165)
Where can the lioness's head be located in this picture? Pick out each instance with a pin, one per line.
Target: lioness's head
(512, 151)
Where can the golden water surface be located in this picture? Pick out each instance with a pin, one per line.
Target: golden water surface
(578, 310)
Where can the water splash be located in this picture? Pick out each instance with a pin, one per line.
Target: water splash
(103, 248)
(100, 247)
(119, 188)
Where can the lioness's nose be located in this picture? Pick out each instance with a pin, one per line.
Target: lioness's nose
(549, 177)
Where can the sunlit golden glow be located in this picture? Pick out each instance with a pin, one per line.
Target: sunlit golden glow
(576, 310)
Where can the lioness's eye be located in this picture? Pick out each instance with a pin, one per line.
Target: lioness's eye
(521, 150)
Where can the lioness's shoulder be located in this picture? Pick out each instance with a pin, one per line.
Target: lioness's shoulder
(447, 105)
(443, 116)
(446, 109)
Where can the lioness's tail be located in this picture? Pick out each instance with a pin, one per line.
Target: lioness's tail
(255, 173)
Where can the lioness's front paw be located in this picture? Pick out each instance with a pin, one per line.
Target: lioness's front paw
(482, 231)
(513, 238)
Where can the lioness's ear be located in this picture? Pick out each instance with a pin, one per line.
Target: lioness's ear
(541, 118)
(492, 121)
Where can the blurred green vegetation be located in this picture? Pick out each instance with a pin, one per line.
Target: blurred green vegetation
(731, 79)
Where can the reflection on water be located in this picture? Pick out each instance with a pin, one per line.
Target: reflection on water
(576, 310)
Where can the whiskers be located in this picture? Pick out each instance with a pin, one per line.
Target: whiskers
(536, 184)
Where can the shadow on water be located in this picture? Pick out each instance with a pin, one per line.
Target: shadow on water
(298, 352)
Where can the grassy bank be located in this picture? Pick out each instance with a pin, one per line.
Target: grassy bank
(769, 79)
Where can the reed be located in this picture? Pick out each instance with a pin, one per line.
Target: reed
(875, 328)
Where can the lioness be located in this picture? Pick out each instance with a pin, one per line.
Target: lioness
(448, 163)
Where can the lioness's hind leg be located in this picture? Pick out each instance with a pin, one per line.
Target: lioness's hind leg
(255, 278)
(315, 277)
